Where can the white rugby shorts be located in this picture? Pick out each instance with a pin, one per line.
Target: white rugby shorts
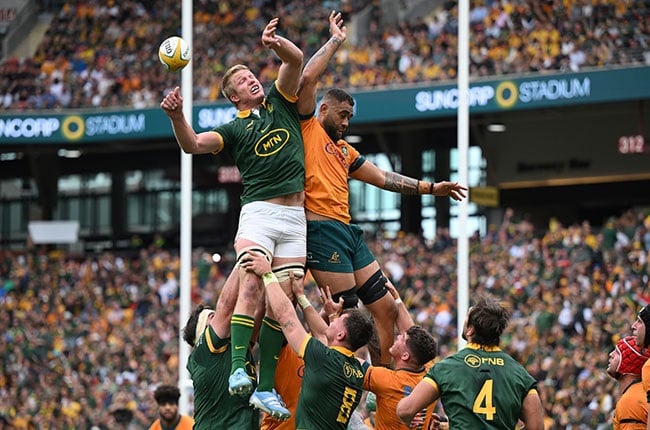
(282, 230)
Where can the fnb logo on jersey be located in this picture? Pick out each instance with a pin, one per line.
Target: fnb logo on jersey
(350, 371)
(272, 142)
(474, 361)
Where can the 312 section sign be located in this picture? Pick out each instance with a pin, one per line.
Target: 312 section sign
(631, 144)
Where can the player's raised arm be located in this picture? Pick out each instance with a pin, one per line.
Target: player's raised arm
(289, 53)
(317, 64)
(189, 141)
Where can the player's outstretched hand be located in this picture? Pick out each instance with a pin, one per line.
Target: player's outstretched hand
(269, 39)
(337, 29)
(449, 189)
(329, 305)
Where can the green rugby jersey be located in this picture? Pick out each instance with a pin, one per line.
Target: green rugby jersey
(331, 387)
(267, 148)
(214, 407)
(481, 388)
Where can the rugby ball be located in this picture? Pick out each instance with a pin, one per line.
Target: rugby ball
(174, 53)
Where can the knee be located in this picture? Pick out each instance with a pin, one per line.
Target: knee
(249, 287)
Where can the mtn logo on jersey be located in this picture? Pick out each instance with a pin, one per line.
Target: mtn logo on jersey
(272, 142)
(335, 258)
(475, 361)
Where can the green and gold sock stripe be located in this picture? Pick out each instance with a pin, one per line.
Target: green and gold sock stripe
(272, 324)
(243, 320)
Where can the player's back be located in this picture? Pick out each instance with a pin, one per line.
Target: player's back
(482, 388)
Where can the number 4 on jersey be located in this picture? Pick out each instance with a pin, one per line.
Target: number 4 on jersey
(483, 402)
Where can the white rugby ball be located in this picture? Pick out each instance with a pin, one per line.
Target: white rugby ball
(174, 53)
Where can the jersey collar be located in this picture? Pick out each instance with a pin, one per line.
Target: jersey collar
(248, 112)
(343, 350)
(483, 347)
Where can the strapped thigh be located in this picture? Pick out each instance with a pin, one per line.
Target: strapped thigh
(282, 272)
(257, 249)
(373, 289)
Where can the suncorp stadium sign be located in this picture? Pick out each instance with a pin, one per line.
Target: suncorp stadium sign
(534, 92)
(506, 94)
(72, 128)
(88, 128)
(413, 103)
(28, 127)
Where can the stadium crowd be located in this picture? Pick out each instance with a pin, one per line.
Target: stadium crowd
(103, 54)
(103, 330)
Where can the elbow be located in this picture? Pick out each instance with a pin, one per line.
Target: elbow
(296, 58)
(402, 414)
(189, 147)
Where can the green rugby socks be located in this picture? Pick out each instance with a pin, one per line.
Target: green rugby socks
(241, 330)
(271, 340)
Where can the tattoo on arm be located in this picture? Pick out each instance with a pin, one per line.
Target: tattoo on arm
(335, 41)
(400, 183)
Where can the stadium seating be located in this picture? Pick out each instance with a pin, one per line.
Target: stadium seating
(101, 56)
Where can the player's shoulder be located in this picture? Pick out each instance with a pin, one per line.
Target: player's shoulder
(381, 372)
(278, 93)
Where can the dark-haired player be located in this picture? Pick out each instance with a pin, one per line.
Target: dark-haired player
(480, 386)
(337, 255)
(208, 333)
(167, 397)
(332, 382)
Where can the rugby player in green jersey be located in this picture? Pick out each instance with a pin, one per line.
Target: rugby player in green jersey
(332, 382)
(208, 333)
(265, 142)
(481, 387)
